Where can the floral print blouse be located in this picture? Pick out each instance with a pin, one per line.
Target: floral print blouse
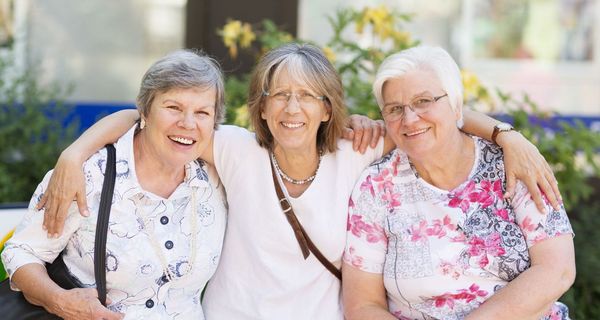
(141, 225)
(444, 253)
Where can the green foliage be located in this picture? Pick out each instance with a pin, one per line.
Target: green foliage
(358, 64)
(31, 130)
(572, 152)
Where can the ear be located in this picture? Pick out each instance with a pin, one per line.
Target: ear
(458, 116)
(327, 114)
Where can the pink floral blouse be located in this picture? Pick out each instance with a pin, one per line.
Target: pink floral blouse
(444, 253)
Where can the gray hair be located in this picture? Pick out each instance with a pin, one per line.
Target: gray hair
(307, 65)
(434, 59)
(182, 69)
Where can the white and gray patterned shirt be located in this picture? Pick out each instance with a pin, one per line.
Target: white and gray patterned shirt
(136, 282)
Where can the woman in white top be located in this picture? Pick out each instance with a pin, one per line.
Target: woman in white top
(298, 113)
(168, 213)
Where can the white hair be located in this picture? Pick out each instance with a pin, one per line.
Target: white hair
(434, 59)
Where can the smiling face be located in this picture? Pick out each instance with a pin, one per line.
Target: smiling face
(179, 125)
(294, 123)
(420, 135)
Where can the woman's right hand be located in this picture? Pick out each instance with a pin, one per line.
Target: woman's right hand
(67, 183)
(82, 303)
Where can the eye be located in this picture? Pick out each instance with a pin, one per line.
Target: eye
(422, 102)
(202, 113)
(395, 109)
(281, 95)
(173, 107)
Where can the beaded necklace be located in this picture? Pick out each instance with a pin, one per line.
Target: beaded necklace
(290, 179)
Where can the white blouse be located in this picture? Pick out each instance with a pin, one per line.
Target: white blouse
(145, 232)
(262, 274)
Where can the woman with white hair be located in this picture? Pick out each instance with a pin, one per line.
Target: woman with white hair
(430, 235)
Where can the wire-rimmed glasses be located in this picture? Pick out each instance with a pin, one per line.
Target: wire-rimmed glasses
(418, 105)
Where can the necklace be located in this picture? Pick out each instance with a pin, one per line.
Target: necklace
(165, 266)
(290, 179)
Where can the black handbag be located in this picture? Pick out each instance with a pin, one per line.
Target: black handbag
(13, 304)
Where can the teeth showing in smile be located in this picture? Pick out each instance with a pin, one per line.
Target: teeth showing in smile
(292, 125)
(182, 140)
(414, 133)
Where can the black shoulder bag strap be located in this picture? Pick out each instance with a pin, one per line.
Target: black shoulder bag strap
(108, 187)
(302, 237)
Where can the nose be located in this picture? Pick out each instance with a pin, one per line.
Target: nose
(188, 121)
(409, 115)
(293, 105)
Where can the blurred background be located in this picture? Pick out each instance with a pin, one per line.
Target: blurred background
(64, 64)
(548, 48)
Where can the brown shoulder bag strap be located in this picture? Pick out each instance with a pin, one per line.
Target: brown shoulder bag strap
(304, 240)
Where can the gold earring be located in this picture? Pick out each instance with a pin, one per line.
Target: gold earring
(142, 123)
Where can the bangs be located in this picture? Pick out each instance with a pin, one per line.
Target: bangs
(300, 72)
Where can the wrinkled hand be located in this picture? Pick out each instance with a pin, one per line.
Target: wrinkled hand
(67, 183)
(82, 303)
(523, 161)
(364, 132)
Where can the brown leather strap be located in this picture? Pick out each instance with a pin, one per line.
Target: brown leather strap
(302, 237)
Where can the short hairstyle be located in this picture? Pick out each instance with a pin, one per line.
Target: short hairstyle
(182, 69)
(434, 59)
(308, 65)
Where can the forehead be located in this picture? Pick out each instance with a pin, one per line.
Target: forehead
(294, 73)
(411, 84)
(196, 95)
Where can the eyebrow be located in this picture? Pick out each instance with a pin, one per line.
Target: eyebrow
(204, 106)
(413, 97)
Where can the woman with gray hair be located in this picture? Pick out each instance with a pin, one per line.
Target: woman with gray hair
(430, 234)
(298, 113)
(167, 218)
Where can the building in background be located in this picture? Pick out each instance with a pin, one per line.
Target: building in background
(547, 48)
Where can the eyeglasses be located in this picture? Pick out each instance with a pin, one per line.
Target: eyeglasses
(419, 105)
(303, 97)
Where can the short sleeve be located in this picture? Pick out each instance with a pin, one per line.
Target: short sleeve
(538, 226)
(366, 240)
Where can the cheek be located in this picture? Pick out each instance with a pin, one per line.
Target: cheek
(393, 130)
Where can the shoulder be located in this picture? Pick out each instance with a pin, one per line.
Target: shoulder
(389, 166)
(233, 132)
(347, 157)
(488, 150)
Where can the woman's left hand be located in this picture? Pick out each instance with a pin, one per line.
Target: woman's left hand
(364, 132)
(523, 161)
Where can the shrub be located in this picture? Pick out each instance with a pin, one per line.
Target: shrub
(32, 129)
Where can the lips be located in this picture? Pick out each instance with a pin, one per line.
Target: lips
(182, 140)
(292, 125)
(416, 132)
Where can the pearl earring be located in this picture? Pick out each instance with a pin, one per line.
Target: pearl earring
(142, 123)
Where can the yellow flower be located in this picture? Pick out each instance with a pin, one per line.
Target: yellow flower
(474, 92)
(470, 82)
(380, 18)
(235, 33)
(329, 54)
(400, 37)
(231, 31)
(246, 36)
